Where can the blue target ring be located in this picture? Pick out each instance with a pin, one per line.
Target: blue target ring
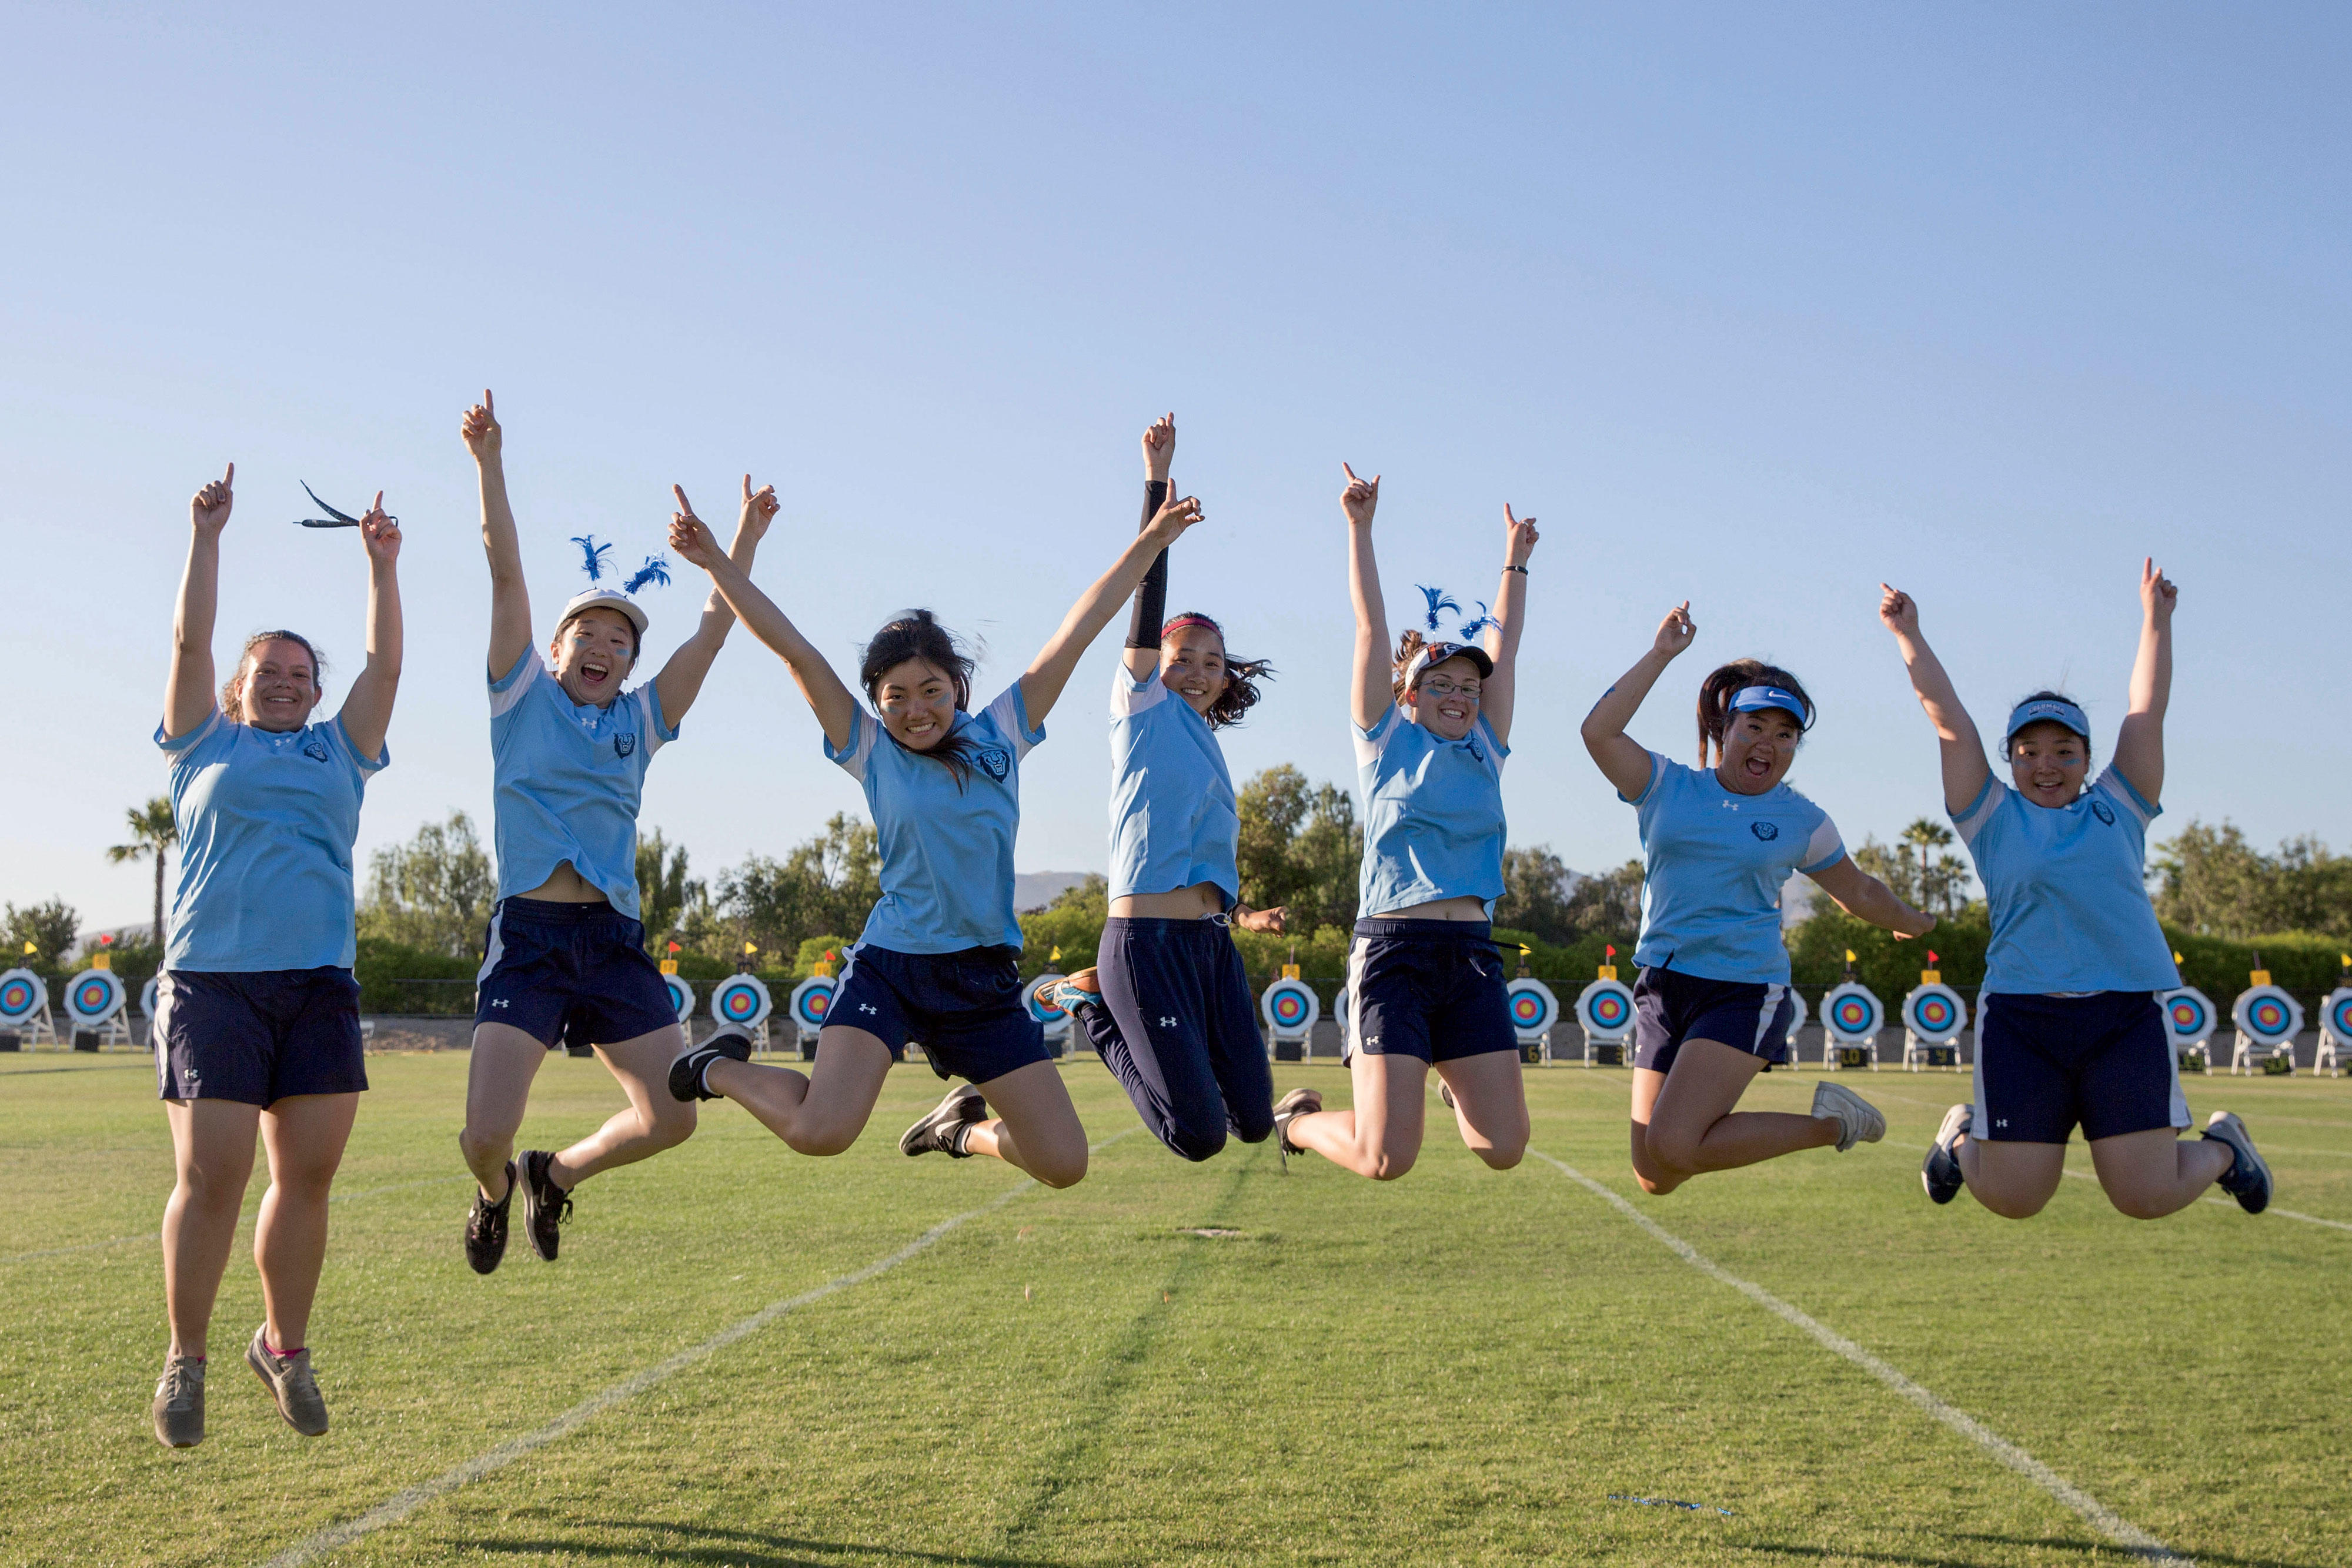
(1608, 1010)
(2340, 1016)
(2188, 1017)
(741, 999)
(1289, 1010)
(1852, 1014)
(813, 1003)
(2267, 1016)
(16, 997)
(94, 996)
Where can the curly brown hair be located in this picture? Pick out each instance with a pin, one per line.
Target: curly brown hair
(1715, 695)
(232, 691)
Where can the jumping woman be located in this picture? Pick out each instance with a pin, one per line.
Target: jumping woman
(1711, 1007)
(566, 957)
(257, 1014)
(2068, 1028)
(1169, 1006)
(1426, 989)
(937, 961)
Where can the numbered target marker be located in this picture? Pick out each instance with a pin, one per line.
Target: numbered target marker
(1534, 1009)
(1935, 1013)
(741, 999)
(1291, 1007)
(2189, 1016)
(1605, 1009)
(93, 996)
(2268, 1014)
(812, 999)
(22, 994)
(681, 995)
(1852, 1014)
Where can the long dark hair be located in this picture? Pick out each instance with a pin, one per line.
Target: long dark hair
(2045, 697)
(1241, 675)
(918, 635)
(232, 691)
(1715, 693)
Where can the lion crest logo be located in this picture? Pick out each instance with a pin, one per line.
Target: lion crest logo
(995, 761)
(1768, 832)
(2101, 811)
(625, 743)
(315, 751)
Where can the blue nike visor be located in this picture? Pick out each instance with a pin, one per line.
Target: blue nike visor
(1755, 699)
(2047, 709)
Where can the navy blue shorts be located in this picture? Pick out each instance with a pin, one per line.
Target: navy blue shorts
(1670, 1007)
(2044, 1064)
(1431, 988)
(257, 1036)
(1178, 1028)
(571, 972)
(963, 1007)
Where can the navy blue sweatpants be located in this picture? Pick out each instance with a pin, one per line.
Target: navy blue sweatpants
(1178, 1026)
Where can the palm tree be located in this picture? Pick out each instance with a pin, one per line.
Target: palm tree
(152, 832)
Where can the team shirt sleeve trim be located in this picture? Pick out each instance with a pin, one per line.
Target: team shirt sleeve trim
(1371, 743)
(173, 745)
(853, 757)
(1657, 772)
(658, 733)
(507, 689)
(1130, 696)
(2113, 782)
(1011, 712)
(366, 765)
(1494, 742)
(1972, 818)
(1824, 849)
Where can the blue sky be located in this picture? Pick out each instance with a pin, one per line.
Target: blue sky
(1750, 306)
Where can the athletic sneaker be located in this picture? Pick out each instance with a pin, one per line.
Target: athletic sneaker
(1286, 1110)
(944, 1129)
(485, 1228)
(1940, 1175)
(2248, 1178)
(289, 1380)
(1858, 1120)
(545, 1205)
(1081, 989)
(731, 1041)
(179, 1408)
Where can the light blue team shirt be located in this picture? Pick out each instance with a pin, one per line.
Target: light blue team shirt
(267, 822)
(1173, 820)
(947, 853)
(2066, 890)
(1714, 863)
(569, 777)
(1433, 814)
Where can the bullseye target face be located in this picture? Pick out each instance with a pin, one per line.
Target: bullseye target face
(1291, 1007)
(1851, 1012)
(22, 994)
(681, 997)
(811, 1001)
(1935, 1013)
(147, 999)
(1799, 1013)
(2339, 1015)
(2189, 1016)
(94, 996)
(1534, 1009)
(741, 999)
(2269, 1014)
(1605, 1008)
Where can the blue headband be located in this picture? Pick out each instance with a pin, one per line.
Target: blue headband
(1754, 699)
(2053, 711)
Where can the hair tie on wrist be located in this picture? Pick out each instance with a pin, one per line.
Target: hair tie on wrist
(1520, 570)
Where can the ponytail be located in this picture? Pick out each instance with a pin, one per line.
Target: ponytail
(1411, 644)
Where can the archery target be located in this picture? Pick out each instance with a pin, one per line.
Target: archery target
(1055, 1021)
(1339, 1017)
(2336, 1014)
(2188, 1016)
(93, 996)
(681, 995)
(1935, 1014)
(1291, 1007)
(1852, 1014)
(812, 999)
(1534, 1009)
(741, 999)
(1605, 1009)
(22, 994)
(1798, 1014)
(2268, 1014)
(147, 999)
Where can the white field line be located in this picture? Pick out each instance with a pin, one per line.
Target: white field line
(400, 1507)
(2107, 1522)
(242, 1222)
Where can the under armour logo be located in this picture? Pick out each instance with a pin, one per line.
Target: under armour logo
(189, 1073)
(1371, 1040)
(2003, 1122)
(1167, 1023)
(867, 1007)
(499, 1002)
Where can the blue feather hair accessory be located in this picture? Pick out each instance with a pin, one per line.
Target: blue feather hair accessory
(655, 570)
(591, 556)
(1470, 629)
(1440, 601)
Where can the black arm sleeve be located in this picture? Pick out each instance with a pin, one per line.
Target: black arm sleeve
(1151, 593)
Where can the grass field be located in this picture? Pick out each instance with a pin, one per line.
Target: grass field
(1462, 1367)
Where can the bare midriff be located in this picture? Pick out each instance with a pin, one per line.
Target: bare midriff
(1185, 903)
(1468, 906)
(566, 886)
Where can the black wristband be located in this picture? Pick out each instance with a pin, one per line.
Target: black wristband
(1151, 594)
(1520, 570)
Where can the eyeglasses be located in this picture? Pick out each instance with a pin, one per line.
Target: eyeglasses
(1446, 687)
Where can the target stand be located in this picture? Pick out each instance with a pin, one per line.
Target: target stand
(95, 1003)
(1604, 1011)
(1534, 1010)
(1055, 1022)
(2190, 1020)
(1933, 1015)
(2335, 1032)
(25, 1009)
(743, 999)
(1291, 1009)
(1852, 1016)
(2268, 1020)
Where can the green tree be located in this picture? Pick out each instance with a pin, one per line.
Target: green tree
(1608, 906)
(434, 892)
(1299, 846)
(664, 890)
(2210, 881)
(828, 883)
(153, 832)
(1535, 895)
(41, 937)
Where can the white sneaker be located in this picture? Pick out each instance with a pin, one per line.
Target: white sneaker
(1858, 1120)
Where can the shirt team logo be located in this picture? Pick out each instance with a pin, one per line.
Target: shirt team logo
(315, 751)
(1768, 832)
(995, 761)
(2101, 809)
(625, 743)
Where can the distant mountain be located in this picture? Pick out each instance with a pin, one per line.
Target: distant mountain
(1034, 890)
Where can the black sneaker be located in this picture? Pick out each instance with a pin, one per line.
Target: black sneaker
(545, 1205)
(1940, 1173)
(942, 1130)
(485, 1228)
(2248, 1178)
(1287, 1109)
(731, 1041)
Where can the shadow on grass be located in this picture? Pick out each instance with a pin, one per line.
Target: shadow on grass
(733, 1547)
(2092, 1552)
(2122, 1555)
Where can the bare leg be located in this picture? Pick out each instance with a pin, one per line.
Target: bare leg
(821, 1113)
(2013, 1180)
(650, 1122)
(1490, 1106)
(1035, 1127)
(1381, 1138)
(212, 1146)
(305, 1134)
(498, 1090)
(1683, 1122)
(2152, 1174)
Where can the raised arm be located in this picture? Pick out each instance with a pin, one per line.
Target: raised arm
(1622, 760)
(1151, 595)
(188, 689)
(2139, 746)
(367, 710)
(509, 599)
(1865, 897)
(832, 703)
(1965, 768)
(1371, 691)
(681, 680)
(1502, 638)
(1049, 671)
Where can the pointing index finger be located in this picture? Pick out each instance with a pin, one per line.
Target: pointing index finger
(683, 504)
(229, 477)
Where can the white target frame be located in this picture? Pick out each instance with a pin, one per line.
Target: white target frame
(2191, 1048)
(106, 1017)
(1918, 1037)
(1837, 1036)
(32, 1020)
(2255, 1043)
(681, 995)
(1536, 1030)
(2335, 1032)
(807, 1023)
(1303, 1029)
(757, 1020)
(1055, 1022)
(1596, 1031)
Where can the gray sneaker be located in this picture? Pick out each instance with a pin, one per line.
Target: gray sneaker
(2248, 1179)
(1288, 1109)
(1858, 1120)
(179, 1408)
(289, 1380)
